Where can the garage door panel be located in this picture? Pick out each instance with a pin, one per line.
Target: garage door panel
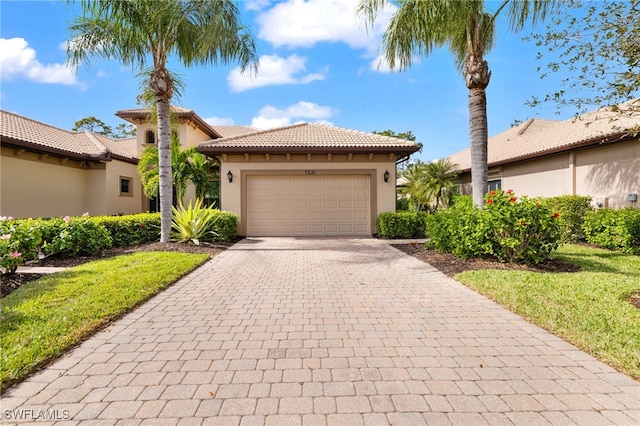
(308, 205)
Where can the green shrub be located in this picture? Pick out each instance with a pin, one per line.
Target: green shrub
(81, 236)
(402, 225)
(225, 225)
(509, 229)
(614, 229)
(461, 230)
(403, 204)
(19, 242)
(572, 209)
(131, 230)
(524, 230)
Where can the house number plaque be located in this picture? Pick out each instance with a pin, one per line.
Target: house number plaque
(309, 172)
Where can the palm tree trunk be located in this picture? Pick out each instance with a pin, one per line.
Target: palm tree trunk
(164, 168)
(479, 135)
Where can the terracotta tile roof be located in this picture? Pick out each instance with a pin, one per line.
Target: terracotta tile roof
(31, 134)
(535, 138)
(138, 115)
(34, 134)
(122, 148)
(308, 138)
(229, 131)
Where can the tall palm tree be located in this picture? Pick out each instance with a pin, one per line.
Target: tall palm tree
(142, 32)
(467, 28)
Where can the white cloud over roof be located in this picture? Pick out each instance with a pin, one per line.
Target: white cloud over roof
(299, 23)
(18, 60)
(273, 70)
(220, 121)
(270, 117)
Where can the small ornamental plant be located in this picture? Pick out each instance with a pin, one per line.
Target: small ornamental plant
(523, 230)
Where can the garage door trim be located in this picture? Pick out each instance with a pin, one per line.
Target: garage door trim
(373, 190)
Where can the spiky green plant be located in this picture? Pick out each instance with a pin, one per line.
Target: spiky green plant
(193, 224)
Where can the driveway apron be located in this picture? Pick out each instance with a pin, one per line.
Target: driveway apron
(286, 331)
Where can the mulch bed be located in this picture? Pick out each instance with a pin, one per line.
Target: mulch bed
(13, 282)
(451, 265)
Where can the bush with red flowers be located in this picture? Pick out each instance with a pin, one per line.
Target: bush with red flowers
(509, 228)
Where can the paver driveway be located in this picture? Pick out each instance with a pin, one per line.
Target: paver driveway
(286, 331)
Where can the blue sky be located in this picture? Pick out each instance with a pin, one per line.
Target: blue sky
(318, 64)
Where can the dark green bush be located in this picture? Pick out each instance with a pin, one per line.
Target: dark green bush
(508, 228)
(571, 209)
(81, 236)
(131, 230)
(225, 225)
(402, 204)
(461, 230)
(402, 225)
(614, 229)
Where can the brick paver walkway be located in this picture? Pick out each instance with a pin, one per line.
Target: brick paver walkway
(285, 331)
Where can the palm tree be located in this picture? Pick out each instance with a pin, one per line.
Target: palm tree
(142, 32)
(467, 28)
(440, 177)
(187, 166)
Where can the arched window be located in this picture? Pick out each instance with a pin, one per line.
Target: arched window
(150, 137)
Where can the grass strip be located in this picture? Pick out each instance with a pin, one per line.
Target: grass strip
(46, 317)
(589, 309)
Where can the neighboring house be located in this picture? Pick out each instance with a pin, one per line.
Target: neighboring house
(308, 179)
(47, 171)
(301, 180)
(591, 155)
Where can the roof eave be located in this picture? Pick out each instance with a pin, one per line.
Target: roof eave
(138, 117)
(43, 149)
(216, 150)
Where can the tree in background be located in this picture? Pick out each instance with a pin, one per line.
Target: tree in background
(467, 28)
(408, 135)
(143, 32)
(430, 186)
(95, 125)
(597, 46)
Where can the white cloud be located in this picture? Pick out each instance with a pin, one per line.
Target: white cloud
(256, 5)
(17, 60)
(220, 121)
(273, 70)
(270, 116)
(299, 23)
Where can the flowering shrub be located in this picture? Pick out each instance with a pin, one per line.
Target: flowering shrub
(523, 230)
(509, 228)
(80, 235)
(19, 241)
(572, 209)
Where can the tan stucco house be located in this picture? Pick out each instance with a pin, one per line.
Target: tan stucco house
(308, 179)
(300, 180)
(593, 155)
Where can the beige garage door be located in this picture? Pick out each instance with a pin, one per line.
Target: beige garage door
(316, 205)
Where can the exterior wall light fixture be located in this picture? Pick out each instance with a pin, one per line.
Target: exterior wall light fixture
(386, 176)
(230, 176)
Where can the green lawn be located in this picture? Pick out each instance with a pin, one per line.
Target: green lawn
(589, 309)
(46, 317)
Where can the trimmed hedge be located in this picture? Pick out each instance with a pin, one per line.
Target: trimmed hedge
(402, 225)
(571, 209)
(225, 224)
(131, 230)
(614, 229)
